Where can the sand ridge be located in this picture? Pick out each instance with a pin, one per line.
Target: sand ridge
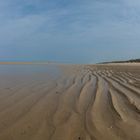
(88, 102)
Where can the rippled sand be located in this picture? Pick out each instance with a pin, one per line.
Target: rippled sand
(94, 102)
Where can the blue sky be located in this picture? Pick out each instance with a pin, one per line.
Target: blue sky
(70, 31)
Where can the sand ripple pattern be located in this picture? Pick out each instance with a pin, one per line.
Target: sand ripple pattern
(91, 103)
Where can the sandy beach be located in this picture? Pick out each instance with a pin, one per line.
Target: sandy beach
(69, 102)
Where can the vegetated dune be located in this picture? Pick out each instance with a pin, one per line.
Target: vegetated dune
(94, 102)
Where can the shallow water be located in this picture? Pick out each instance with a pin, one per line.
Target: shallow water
(28, 69)
(15, 74)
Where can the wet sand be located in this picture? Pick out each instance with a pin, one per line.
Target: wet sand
(70, 102)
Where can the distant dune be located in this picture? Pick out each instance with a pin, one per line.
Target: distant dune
(127, 61)
(83, 102)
